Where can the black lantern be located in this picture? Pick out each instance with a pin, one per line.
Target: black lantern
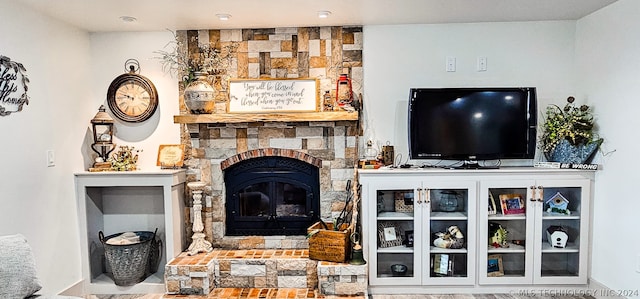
(102, 139)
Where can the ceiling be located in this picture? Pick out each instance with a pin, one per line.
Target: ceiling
(156, 15)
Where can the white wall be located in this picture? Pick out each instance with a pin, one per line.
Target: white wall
(70, 71)
(35, 200)
(397, 58)
(608, 73)
(109, 51)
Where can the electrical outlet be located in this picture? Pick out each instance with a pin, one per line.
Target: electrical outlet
(451, 64)
(51, 158)
(482, 64)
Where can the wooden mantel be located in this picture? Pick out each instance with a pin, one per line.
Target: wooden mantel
(264, 117)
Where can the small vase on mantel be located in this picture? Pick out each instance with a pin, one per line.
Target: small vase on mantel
(199, 95)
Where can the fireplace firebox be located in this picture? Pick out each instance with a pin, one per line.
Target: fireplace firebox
(272, 195)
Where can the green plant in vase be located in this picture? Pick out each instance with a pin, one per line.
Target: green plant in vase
(568, 133)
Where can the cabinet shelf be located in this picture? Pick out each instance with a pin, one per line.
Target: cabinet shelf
(569, 248)
(449, 216)
(220, 118)
(513, 248)
(434, 249)
(508, 217)
(550, 216)
(395, 249)
(394, 216)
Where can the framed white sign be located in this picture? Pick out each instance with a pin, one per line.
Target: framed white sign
(273, 95)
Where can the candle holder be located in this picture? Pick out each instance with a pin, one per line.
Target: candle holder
(198, 243)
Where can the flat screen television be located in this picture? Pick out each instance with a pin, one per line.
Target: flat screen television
(472, 124)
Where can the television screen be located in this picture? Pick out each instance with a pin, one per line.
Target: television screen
(471, 124)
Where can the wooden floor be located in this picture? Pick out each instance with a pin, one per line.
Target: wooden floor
(284, 294)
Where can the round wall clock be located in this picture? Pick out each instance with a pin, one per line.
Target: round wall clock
(131, 96)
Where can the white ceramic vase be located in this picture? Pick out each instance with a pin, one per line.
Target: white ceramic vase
(199, 95)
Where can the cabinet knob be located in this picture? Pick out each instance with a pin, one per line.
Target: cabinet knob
(419, 195)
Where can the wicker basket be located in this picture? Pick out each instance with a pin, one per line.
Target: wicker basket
(128, 263)
(328, 244)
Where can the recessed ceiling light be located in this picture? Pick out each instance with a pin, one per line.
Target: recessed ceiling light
(223, 16)
(323, 14)
(128, 19)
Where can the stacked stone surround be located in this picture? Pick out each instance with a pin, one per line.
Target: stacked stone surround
(323, 53)
(307, 52)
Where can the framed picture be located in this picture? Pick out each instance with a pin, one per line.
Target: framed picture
(389, 235)
(403, 201)
(442, 264)
(408, 238)
(512, 204)
(170, 155)
(273, 95)
(494, 265)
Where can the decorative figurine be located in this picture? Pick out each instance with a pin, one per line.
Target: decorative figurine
(498, 235)
(557, 236)
(452, 238)
(558, 204)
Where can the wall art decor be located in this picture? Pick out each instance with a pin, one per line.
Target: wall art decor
(13, 86)
(273, 95)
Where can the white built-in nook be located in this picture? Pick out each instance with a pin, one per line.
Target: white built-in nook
(114, 202)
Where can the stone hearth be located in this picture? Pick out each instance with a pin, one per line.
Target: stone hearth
(262, 269)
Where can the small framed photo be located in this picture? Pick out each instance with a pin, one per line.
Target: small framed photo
(512, 204)
(408, 238)
(389, 235)
(170, 155)
(494, 265)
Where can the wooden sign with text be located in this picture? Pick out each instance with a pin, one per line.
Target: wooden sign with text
(273, 95)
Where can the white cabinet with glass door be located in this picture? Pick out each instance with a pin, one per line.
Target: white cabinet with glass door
(402, 212)
(535, 230)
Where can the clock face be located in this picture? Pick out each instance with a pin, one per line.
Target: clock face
(132, 97)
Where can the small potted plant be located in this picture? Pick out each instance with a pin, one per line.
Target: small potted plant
(568, 135)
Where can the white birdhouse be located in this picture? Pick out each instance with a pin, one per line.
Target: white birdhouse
(557, 236)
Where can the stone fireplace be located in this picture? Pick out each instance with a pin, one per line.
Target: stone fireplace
(216, 143)
(326, 149)
(272, 168)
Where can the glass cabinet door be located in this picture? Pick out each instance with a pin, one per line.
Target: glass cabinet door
(564, 211)
(532, 231)
(394, 236)
(506, 229)
(449, 233)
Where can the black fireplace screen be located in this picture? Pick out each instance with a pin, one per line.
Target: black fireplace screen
(271, 196)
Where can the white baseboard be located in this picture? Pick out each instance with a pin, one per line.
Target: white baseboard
(76, 289)
(598, 290)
